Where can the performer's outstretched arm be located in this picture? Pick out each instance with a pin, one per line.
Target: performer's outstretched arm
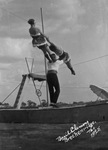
(69, 65)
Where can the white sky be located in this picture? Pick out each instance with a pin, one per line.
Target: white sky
(79, 26)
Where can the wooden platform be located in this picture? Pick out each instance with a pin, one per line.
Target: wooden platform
(51, 115)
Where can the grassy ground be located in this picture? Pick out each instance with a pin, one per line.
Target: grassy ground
(43, 137)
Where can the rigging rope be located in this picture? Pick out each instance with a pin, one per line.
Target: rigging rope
(13, 14)
(91, 60)
(11, 93)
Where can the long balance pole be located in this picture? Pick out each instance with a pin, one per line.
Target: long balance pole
(44, 57)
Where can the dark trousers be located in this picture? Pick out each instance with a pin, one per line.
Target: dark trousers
(54, 87)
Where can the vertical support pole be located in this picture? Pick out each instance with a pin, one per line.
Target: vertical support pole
(44, 57)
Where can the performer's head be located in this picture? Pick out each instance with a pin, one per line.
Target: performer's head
(31, 21)
(54, 56)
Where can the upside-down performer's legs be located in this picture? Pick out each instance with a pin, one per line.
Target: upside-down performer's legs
(67, 61)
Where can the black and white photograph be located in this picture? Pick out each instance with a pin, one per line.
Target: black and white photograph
(53, 74)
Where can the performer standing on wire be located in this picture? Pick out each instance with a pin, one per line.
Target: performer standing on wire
(52, 80)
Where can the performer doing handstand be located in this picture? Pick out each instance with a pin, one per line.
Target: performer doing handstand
(41, 41)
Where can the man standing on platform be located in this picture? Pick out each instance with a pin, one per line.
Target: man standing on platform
(53, 81)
